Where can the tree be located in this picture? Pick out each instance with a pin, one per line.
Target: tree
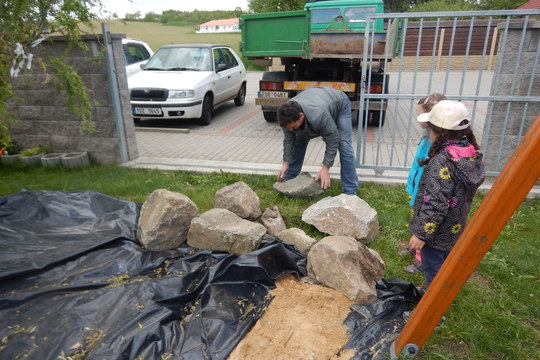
(24, 24)
(501, 4)
(262, 6)
(446, 5)
(465, 5)
(401, 5)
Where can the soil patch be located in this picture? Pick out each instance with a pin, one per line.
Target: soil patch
(303, 321)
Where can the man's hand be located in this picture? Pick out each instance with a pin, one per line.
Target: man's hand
(324, 175)
(415, 243)
(282, 171)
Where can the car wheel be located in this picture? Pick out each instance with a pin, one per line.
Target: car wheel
(241, 97)
(270, 116)
(206, 114)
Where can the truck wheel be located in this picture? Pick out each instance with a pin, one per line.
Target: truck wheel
(206, 114)
(270, 116)
(241, 97)
(377, 118)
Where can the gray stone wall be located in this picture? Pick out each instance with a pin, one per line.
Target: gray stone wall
(43, 117)
(511, 119)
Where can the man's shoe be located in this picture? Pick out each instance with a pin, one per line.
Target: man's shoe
(414, 268)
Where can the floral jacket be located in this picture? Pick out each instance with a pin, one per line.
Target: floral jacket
(445, 195)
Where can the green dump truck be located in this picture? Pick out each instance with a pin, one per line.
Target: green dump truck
(322, 45)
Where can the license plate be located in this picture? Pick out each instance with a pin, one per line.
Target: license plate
(273, 94)
(147, 111)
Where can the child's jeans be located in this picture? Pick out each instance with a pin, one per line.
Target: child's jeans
(432, 260)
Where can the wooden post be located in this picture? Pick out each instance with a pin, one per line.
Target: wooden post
(439, 52)
(516, 179)
(492, 48)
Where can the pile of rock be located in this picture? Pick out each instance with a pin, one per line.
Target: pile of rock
(341, 260)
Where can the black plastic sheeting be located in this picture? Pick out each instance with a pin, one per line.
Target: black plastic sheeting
(374, 327)
(75, 282)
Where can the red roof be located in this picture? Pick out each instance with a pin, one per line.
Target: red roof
(221, 22)
(531, 4)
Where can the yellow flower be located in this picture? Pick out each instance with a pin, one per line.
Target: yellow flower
(444, 173)
(456, 228)
(429, 228)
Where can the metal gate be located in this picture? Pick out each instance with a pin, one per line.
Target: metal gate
(487, 59)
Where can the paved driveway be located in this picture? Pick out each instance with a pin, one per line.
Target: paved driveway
(238, 140)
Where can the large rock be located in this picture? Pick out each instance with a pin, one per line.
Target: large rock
(272, 221)
(240, 199)
(346, 265)
(346, 215)
(221, 229)
(301, 186)
(298, 238)
(165, 219)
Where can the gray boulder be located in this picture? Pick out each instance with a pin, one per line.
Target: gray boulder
(272, 221)
(346, 215)
(240, 199)
(346, 265)
(301, 186)
(298, 238)
(221, 229)
(165, 219)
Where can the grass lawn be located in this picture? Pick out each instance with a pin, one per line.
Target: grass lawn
(496, 315)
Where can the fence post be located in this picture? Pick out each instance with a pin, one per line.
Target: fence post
(516, 179)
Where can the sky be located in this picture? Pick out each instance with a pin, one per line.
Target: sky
(121, 7)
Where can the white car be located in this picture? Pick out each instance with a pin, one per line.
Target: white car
(137, 53)
(187, 81)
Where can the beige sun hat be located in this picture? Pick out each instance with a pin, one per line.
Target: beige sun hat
(447, 114)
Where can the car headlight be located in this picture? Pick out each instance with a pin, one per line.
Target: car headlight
(176, 94)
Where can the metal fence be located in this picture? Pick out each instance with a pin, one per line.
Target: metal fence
(487, 59)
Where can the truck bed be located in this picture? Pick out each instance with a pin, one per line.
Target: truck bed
(287, 34)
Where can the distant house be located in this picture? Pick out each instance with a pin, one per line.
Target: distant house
(218, 26)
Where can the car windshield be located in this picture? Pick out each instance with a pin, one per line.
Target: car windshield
(179, 58)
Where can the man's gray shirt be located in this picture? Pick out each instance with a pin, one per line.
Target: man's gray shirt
(321, 107)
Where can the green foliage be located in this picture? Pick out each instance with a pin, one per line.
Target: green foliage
(462, 5)
(400, 5)
(195, 17)
(445, 5)
(40, 149)
(501, 4)
(23, 25)
(69, 81)
(262, 6)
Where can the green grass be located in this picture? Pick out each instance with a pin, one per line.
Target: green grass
(157, 35)
(496, 315)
